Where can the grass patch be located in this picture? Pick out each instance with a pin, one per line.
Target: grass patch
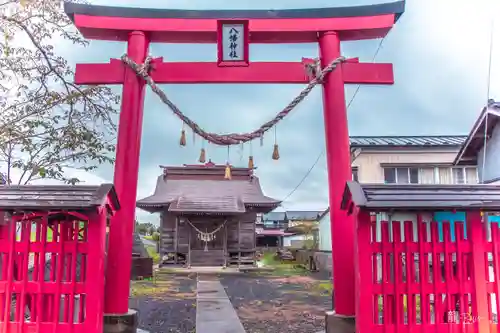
(153, 254)
(148, 238)
(281, 269)
(285, 270)
(268, 259)
(324, 287)
(148, 288)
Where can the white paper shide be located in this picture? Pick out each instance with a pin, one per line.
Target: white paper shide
(233, 39)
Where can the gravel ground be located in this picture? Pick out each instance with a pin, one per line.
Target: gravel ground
(294, 304)
(169, 306)
(274, 304)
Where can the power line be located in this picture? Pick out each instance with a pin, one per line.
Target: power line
(488, 87)
(490, 60)
(347, 108)
(305, 176)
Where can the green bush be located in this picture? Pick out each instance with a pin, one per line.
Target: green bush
(153, 254)
(156, 236)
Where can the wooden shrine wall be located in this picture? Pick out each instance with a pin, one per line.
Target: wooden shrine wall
(175, 236)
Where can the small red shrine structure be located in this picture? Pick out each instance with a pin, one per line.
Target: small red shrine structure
(407, 280)
(233, 31)
(52, 257)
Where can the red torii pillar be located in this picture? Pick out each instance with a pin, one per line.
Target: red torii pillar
(139, 27)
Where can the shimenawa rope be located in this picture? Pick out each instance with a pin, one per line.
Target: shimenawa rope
(207, 236)
(143, 70)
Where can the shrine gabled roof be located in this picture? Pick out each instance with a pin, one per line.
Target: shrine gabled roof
(420, 197)
(56, 197)
(207, 192)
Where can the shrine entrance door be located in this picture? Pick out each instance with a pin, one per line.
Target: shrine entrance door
(207, 251)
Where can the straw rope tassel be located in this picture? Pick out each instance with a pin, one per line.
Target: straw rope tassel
(182, 141)
(250, 162)
(276, 152)
(227, 173)
(250, 158)
(202, 156)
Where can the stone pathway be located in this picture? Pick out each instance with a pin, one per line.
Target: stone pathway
(214, 311)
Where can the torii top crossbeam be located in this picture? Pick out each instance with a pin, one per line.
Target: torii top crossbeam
(266, 26)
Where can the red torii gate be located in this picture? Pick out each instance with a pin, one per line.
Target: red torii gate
(139, 27)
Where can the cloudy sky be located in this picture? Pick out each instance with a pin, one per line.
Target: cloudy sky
(440, 50)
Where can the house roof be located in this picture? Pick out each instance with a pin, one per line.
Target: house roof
(56, 197)
(194, 189)
(292, 216)
(483, 127)
(324, 213)
(407, 141)
(274, 216)
(267, 232)
(302, 215)
(405, 197)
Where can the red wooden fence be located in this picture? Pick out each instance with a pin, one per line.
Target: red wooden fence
(422, 284)
(52, 273)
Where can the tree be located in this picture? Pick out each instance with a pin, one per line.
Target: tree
(48, 123)
(142, 229)
(309, 230)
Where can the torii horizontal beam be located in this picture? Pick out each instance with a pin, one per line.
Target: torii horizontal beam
(266, 26)
(353, 72)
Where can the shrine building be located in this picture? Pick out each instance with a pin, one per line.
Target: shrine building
(207, 215)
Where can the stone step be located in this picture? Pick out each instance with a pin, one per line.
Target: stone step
(214, 311)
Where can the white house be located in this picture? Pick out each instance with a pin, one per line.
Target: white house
(482, 146)
(408, 160)
(324, 232)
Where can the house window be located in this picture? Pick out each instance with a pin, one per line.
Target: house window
(458, 175)
(465, 175)
(355, 174)
(401, 175)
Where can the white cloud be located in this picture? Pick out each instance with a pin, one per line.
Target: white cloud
(86, 178)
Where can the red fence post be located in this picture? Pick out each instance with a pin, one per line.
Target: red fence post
(479, 278)
(96, 269)
(364, 258)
